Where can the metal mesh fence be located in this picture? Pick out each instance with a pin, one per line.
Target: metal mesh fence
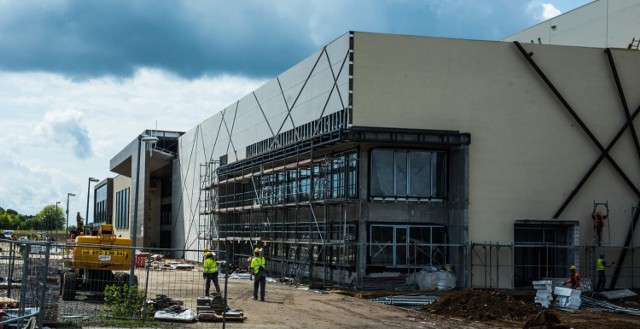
(37, 279)
(29, 283)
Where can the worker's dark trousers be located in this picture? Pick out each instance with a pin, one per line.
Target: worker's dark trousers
(209, 277)
(259, 280)
(602, 281)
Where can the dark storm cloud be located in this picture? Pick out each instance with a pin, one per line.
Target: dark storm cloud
(256, 38)
(85, 39)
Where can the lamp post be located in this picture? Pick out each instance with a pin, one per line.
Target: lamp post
(67, 227)
(56, 222)
(134, 227)
(95, 180)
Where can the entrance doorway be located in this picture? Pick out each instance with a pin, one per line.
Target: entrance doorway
(543, 249)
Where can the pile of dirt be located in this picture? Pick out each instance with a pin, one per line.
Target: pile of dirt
(544, 320)
(484, 305)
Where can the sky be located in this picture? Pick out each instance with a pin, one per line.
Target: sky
(79, 80)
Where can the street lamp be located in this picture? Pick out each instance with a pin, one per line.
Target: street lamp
(67, 229)
(56, 222)
(134, 228)
(95, 180)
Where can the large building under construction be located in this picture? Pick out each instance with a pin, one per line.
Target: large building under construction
(381, 155)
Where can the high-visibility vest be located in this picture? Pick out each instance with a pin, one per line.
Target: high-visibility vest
(210, 265)
(600, 264)
(256, 263)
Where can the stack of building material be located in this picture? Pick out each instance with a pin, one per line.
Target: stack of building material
(406, 301)
(230, 315)
(162, 302)
(544, 290)
(213, 309)
(208, 303)
(567, 298)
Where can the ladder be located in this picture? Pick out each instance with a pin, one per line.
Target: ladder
(304, 266)
(635, 44)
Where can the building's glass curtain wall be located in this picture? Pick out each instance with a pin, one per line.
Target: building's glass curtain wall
(334, 178)
(122, 208)
(407, 245)
(100, 212)
(408, 174)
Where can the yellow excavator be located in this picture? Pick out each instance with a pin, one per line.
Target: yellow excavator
(92, 262)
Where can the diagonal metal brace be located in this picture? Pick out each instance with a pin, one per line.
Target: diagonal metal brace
(568, 107)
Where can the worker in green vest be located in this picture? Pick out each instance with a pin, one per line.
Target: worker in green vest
(601, 266)
(259, 268)
(210, 272)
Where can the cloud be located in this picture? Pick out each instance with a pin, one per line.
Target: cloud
(51, 124)
(66, 128)
(83, 40)
(543, 11)
(549, 11)
(27, 188)
(86, 39)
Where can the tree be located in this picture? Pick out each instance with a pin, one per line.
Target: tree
(49, 218)
(10, 219)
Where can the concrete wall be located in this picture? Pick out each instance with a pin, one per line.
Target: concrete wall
(602, 23)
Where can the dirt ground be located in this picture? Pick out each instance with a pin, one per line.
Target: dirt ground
(290, 307)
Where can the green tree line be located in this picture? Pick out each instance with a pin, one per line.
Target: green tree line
(49, 218)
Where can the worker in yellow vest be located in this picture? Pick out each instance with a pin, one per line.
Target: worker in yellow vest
(601, 266)
(259, 269)
(210, 272)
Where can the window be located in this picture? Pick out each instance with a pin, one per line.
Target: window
(165, 214)
(332, 179)
(100, 211)
(122, 208)
(408, 174)
(407, 245)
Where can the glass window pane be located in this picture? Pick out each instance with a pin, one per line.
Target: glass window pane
(400, 166)
(353, 177)
(381, 173)
(381, 244)
(440, 174)
(420, 174)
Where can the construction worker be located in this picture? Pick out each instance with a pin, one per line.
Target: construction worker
(258, 266)
(598, 225)
(574, 279)
(601, 266)
(210, 272)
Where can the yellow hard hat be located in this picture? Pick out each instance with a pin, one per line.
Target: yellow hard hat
(257, 250)
(572, 267)
(208, 254)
